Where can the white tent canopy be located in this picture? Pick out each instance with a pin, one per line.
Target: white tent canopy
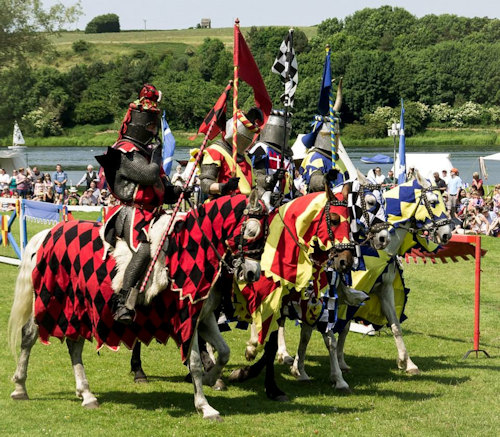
(482, 165)
(427, 163)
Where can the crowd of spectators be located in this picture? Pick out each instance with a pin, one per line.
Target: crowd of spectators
(34, 185)
(470, 209)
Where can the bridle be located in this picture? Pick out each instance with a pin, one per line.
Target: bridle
(337, 248)
(374, 229)
(434, 226)
(238, 256)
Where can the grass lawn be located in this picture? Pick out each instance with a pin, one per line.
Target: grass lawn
(451, 397)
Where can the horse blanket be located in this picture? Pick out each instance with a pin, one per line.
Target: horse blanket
(297, 232)
(73, 281)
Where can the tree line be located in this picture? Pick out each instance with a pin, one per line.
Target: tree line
(447, 69)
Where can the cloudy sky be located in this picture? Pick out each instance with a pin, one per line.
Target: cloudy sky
(181, 14)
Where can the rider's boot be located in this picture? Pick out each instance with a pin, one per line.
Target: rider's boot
(124, 306)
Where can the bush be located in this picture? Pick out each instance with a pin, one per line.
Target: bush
(81, 46)
(104, 23)
(43, 122)
(96, 112)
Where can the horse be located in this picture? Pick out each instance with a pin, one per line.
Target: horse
(367, 226)
(71, 278)
(417, 214)
(319, 233)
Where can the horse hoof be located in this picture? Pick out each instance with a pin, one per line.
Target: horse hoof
(414, 371)
(91, 405)
(214, 418)
(238, 375)
(346, 391)
(22, 396)
(287, 360)
(281, 398)
(141, 380)
(345, 369)
(219, 386)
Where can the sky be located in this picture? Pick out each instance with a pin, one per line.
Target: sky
(182, 14)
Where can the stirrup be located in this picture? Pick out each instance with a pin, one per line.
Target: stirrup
(124, 315)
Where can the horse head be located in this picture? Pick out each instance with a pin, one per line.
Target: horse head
(432, 210)
(338, 228)
(369, 212)
(418, 207)
(247, 239)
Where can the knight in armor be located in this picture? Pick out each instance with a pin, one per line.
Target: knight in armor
(133, 169)
(217, 165)
(317, 167)
(270, 174)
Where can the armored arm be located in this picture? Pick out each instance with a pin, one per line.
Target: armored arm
(136, 167)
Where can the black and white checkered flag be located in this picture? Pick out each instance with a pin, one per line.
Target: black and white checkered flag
(286, 66)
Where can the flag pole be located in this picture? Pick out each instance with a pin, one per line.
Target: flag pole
(287, 98)
(235, 97)
(176, 208)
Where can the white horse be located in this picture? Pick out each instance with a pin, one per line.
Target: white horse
(229, 227)
(413, 208)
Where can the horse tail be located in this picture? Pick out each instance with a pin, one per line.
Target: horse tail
(22, 308)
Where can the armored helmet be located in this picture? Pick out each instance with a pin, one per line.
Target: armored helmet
(275, 131)
(247, 126)
(141, 123)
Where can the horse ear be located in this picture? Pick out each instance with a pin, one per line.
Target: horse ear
(421, 180)
(346, 189)
(254, 200)
(361, 178)
(329, 193)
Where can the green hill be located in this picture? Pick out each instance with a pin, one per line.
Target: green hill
(107, 46)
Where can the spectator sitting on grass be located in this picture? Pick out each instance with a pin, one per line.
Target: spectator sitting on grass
(48, 196)
(87, 198)
(73, 197)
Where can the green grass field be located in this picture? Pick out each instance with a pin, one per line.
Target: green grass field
(452, 396)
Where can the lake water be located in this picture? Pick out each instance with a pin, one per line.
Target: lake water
(74, 160)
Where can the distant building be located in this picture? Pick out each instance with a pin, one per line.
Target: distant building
(206, 23)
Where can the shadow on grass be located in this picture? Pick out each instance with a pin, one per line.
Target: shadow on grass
(369, 371)
(468, 342)
(179, 404)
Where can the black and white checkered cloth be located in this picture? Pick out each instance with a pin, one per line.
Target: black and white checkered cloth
(286, 66)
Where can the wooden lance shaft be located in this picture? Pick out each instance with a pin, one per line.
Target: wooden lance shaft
(176, 208)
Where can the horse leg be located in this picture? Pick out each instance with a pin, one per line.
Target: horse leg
(272, 390)
(283, 355)
(388, 306)
(298, 368)
(209, 330)
(196, 369)
(136, 364)
(29, 336)
(335, 373)
(248, 372)
(75, 349)
(340, 348)
(251, 349)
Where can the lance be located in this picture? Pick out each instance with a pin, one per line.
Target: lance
(235, 98)
(176, 208)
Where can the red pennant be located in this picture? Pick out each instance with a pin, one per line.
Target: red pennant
(249, 72)
(218, 112)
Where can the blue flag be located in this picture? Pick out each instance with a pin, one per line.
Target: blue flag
(168, 145)
(401, 170)
(326, 85)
